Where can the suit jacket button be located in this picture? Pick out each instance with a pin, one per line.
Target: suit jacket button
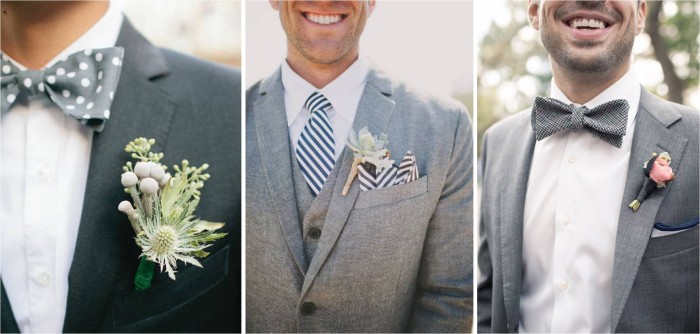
(314, 233)
(308, 308)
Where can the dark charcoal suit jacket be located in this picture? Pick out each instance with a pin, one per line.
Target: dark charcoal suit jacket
(192, 109)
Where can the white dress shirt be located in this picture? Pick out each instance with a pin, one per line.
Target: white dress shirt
(572, 207)
(343, 93)
(45, 159)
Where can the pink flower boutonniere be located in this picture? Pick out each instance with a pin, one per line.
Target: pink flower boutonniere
(659, 172)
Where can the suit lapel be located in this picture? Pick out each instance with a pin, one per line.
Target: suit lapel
(375, 109)
(651, 134)
(513, 190)
(273, 141)
(105, 240)
(7, 319)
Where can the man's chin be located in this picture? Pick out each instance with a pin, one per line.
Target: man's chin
(598, 63)
(589, 46)
(324, 55)
(322, 59)
(589, 56)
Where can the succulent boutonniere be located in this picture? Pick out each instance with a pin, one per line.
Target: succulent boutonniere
(368, 150)
(659, 172)
(163, 220)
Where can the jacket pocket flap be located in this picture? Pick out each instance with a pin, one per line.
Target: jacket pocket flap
(671, 244)
(371, 198)
(168, 295)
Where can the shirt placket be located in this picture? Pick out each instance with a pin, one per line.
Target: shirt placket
(564, 298)
(39, 224)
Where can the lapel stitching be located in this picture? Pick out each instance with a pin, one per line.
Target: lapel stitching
(271, 121)
(634, 228)
(511, 224)
(105, 242)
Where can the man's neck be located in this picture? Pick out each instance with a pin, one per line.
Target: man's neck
(33, 33)
(582, 87)
(318, 74)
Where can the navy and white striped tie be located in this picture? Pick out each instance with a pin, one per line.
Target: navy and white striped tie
(316, 146)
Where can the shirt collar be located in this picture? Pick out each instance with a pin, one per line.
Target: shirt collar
(297, 90)
(102, 34)
(627, 88)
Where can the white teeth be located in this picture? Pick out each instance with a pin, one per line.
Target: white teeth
(323, 19)
(592, 23)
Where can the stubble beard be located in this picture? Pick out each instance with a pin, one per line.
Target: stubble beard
(321, 51)
(328, 53)
(608, 59)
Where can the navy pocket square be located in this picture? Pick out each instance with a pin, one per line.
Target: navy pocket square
(661, 229)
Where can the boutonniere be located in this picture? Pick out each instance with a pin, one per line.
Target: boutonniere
(659, 172)
(167, 231)
(369, 151)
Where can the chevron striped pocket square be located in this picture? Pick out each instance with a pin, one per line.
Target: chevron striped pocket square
(408, 169)
(406, 172)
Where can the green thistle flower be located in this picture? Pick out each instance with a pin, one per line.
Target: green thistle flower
(166, 228)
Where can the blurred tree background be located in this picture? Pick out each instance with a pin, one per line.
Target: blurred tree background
(513, 67)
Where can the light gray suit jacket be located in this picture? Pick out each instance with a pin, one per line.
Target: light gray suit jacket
(388, 260)
(655, 280)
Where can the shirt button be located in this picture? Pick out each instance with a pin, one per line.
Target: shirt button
(565, 220)
(308, 308)
(314, 233)
(572, 159)
(43, 279)
(563, 285)
(45, 175)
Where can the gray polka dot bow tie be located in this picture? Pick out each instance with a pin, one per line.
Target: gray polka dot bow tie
(607, 121)
(82, 84)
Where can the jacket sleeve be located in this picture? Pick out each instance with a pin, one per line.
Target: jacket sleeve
(444, 297)
(485, 269)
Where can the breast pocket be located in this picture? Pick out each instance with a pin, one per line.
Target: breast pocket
(393, 194)
(665, 288)
(167, 295)
(672, 244)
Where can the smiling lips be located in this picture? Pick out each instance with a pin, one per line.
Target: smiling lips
(589, 26)
(324, 19)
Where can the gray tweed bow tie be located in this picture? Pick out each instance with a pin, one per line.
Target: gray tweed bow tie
(82, 84)
(607, 121)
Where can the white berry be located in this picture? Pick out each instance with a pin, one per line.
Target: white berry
(157, 172)
(143, 169)
(149, 186)
(125, 206)
(129, 179)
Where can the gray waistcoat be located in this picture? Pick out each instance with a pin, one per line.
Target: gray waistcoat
(312, 212)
